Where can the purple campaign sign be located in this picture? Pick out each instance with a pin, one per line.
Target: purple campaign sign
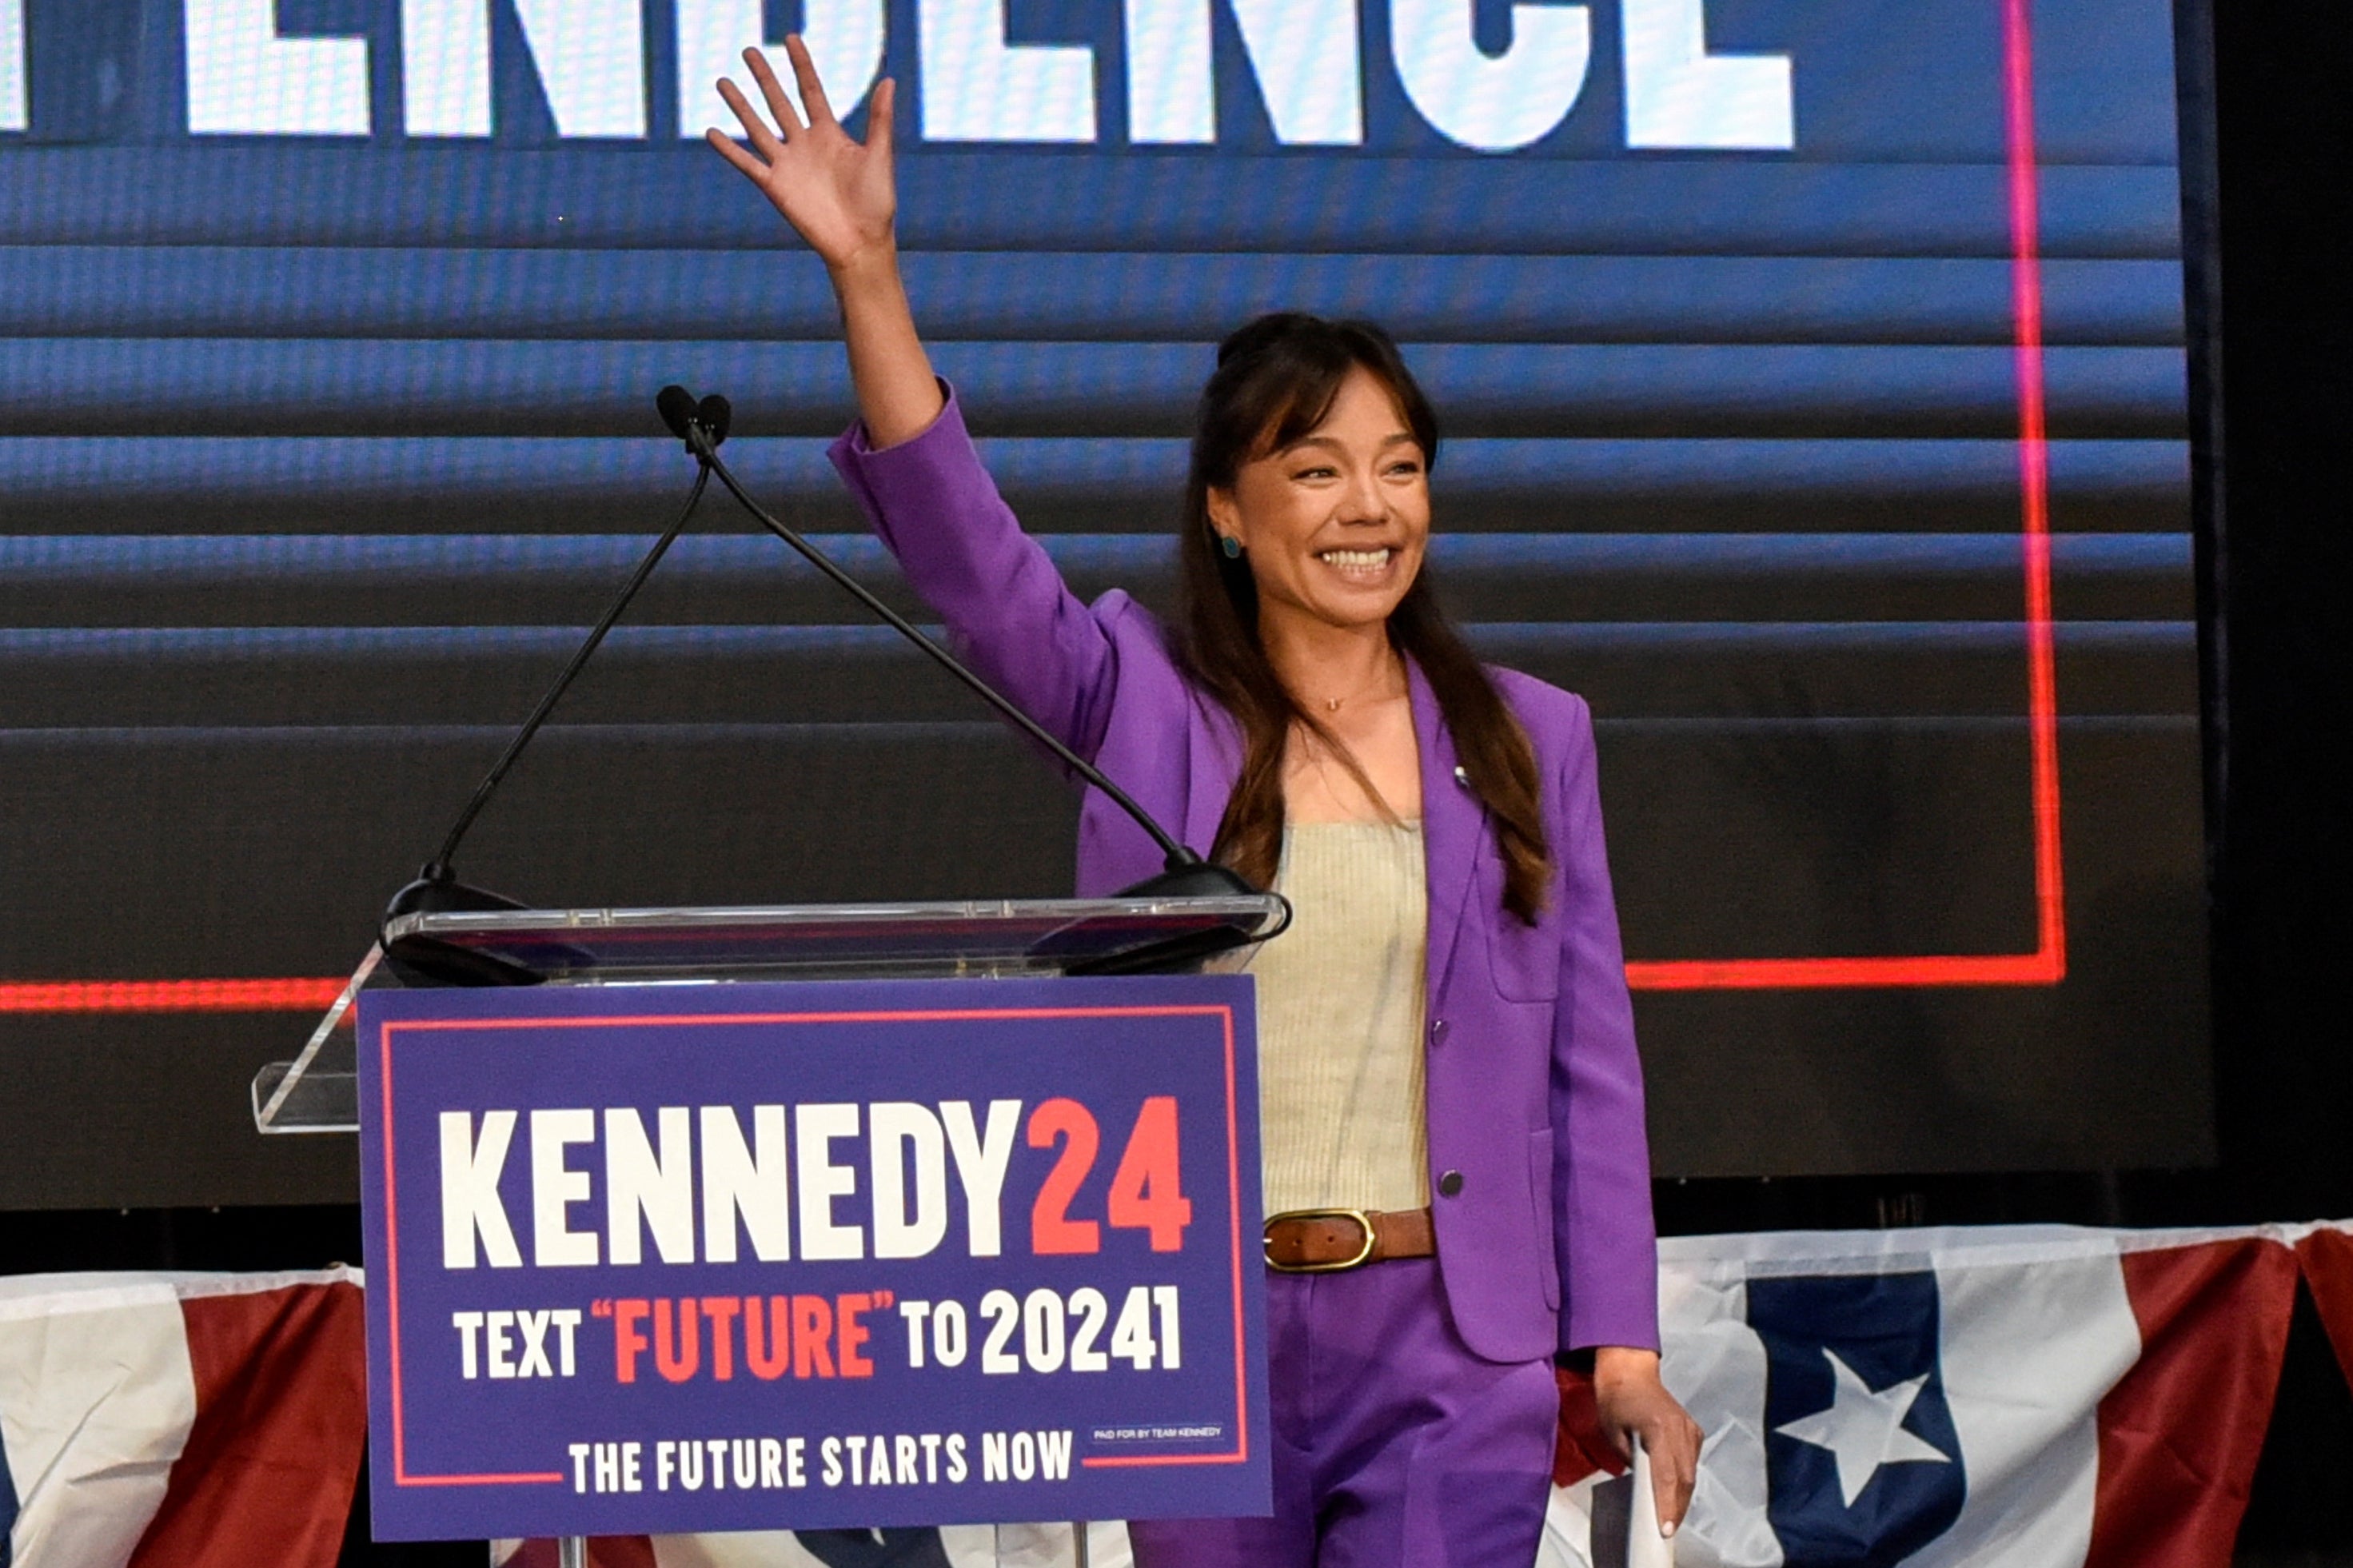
(665, 1258)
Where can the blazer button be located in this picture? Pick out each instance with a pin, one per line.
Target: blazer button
(1451, 1183)
(1462, 776)
(1438, 1031)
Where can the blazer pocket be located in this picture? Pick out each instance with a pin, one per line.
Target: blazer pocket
(1523, 960)
(1540, 1194)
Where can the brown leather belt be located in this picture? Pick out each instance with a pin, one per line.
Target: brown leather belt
(1326, 1241)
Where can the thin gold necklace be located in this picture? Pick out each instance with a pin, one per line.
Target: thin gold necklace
(1332, 705)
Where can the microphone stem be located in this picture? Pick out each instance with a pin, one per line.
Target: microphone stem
(1176, 855)
(438, 868)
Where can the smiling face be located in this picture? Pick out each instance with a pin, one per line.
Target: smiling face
(1334, 526)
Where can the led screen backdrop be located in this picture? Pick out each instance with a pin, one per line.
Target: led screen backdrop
(1814, 389)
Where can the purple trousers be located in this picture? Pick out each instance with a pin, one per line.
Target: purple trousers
(1394, 1446)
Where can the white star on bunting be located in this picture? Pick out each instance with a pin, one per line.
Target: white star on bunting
(1864, 1428)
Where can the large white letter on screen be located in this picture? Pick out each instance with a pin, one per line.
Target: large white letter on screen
(1305, 53)
(590, 55)
(246, 80)
(978, 88)
(1679, 95)
(445, 68)
(845, 39)
(16, 112)
(1491, 102)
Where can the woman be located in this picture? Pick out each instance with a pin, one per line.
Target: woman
(1451, 998)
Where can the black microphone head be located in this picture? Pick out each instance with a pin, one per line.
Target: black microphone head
(1199, 879)
(716, 414)
(436, 891)
(427, 960)
(676, 405)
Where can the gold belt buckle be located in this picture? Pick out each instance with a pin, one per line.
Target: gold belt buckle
(1364, 1254)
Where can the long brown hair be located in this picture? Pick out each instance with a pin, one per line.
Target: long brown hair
(1276, 378)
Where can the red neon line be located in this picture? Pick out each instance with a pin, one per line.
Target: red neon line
(2034, 482)
(170, 996)
(2047, 965)
(1818, 974)
(1668, 974)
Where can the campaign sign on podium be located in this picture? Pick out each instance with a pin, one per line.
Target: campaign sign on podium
(670, 1258)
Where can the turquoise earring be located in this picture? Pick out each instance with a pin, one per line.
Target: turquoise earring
(1230, 546)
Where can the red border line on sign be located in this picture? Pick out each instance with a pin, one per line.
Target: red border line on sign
(2046, 965)
(400, 1471)
(400, 1475)
(1241, 1374)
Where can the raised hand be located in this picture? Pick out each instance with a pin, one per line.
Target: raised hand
(838, 193)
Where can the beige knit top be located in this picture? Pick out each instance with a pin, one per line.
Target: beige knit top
(1339, 1022)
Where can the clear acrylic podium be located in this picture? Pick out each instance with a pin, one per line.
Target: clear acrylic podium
(318, 1090)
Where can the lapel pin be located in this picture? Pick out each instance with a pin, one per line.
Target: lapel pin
(1462, 776)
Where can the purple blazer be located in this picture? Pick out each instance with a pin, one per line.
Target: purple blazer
(1535, 1090)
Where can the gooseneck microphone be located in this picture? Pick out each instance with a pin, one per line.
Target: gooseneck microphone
(1185, 875)
(702, 425)
(437, 886)
(681, 413)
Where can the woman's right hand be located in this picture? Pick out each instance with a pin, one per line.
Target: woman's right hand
(842, 197)
(838, 193)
